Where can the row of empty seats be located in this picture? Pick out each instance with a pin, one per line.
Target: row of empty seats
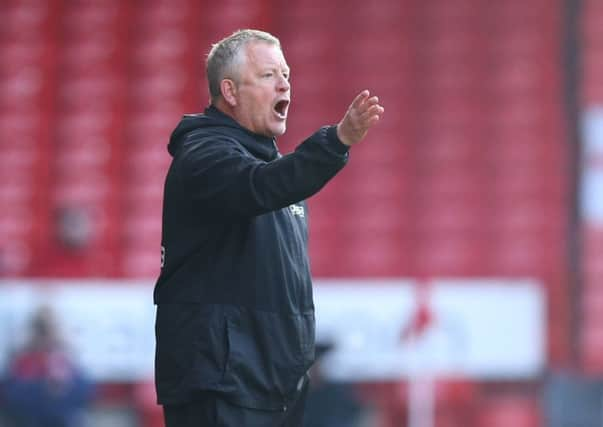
(469, 156)
(591, 319)
(468, 174)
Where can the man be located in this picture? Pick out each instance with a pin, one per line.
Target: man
(43, 386)
(235, 315)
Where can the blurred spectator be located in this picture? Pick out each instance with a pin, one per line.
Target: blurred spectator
(69, 253)
(74, 228)
(331, 404)
(44, 388)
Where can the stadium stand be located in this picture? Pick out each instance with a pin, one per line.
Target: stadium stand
(466, 177)
(592, 231)
(468, 171)
(27, 90)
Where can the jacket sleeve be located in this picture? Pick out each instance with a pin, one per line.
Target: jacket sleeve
(226, 180)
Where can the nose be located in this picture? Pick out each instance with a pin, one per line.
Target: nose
(283, 84)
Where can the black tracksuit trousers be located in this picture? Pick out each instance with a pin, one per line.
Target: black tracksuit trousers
(211, 410)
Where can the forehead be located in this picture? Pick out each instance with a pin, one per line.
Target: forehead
(263, 54)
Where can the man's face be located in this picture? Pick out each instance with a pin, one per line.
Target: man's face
(263, 90)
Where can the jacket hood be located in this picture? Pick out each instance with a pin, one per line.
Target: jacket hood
(214, 122)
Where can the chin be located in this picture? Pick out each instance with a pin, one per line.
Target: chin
(278, 131)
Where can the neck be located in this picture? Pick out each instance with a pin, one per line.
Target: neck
(224, 107)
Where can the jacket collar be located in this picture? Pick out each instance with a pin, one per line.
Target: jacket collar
(260, 145)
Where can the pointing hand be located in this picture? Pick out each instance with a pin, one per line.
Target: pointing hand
(362, 114)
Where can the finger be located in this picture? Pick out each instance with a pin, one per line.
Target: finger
(372, 101)
(373, 110)
(373, 120)
(360, 98)
(368, 103)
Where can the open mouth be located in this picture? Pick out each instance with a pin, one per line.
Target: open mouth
(280, 108)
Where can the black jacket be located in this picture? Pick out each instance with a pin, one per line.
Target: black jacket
(235, 312)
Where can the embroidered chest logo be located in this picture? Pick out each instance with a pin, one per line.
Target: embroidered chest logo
(297, 210)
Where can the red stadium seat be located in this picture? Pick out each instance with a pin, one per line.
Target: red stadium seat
(516, 411)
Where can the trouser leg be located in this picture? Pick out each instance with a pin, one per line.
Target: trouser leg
(212, 410)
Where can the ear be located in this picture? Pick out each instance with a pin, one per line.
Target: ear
(228, 88)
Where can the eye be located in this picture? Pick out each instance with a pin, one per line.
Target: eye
(268, 74)
(286, 76)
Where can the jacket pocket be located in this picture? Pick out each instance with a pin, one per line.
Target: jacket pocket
(306, 329)
(267, 355)
(191, 349)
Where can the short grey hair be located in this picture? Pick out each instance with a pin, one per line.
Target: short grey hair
(224, 55)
